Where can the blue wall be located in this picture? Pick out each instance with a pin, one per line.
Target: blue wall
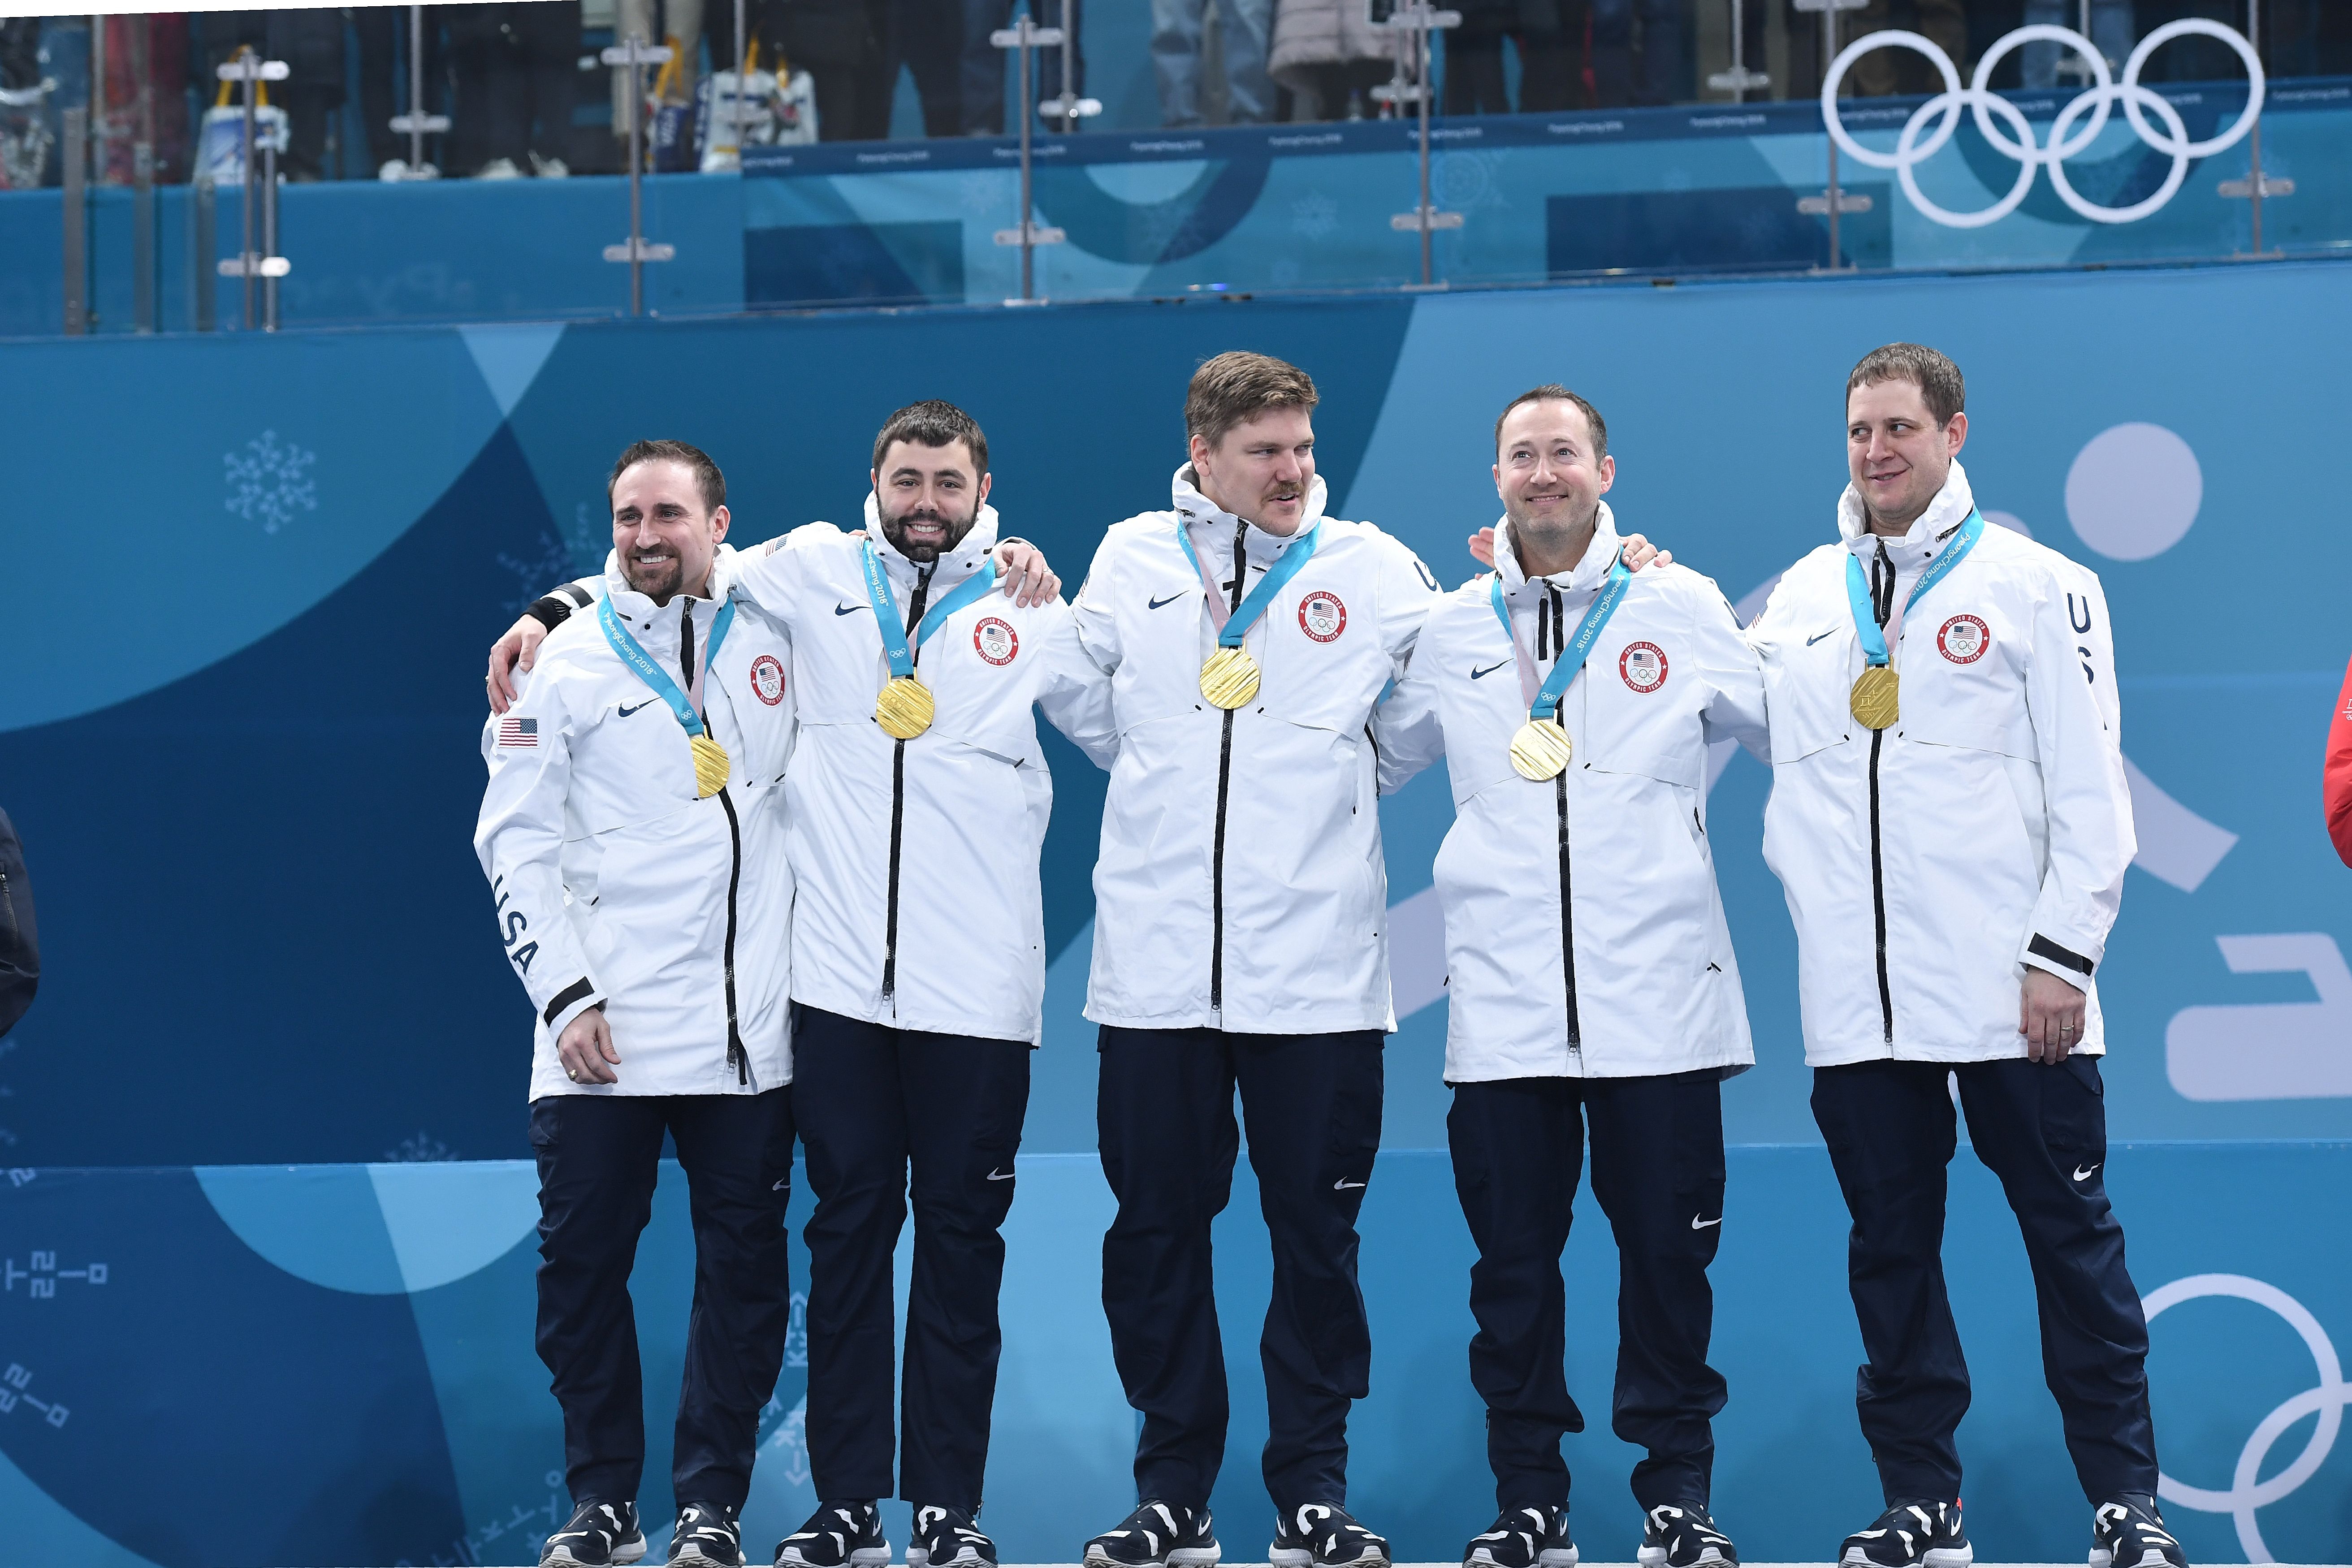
(238, 731)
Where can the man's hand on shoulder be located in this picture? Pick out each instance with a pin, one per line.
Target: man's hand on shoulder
(1023, 575)
(515, 651)
(586, 1049)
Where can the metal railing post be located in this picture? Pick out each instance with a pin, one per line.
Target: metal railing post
(1414, 22)
(1024, 37)
(2256, 186)
(249, 71)
(203, 219)
(416, 125)
(1739, 82)
(1068, 107)
(142, 236)
(637, 55)
(1832, 200)
(71, 157)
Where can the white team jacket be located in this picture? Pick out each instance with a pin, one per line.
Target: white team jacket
(1240, 884)
(944, 841)
(1988, 829)
(1620, 836)
(615, 884)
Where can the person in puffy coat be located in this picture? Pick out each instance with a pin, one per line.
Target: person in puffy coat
(1329, 53)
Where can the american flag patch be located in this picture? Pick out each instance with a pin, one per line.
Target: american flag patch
(513, 731)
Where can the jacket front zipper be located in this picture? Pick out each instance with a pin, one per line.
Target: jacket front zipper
(898, 804)
(737, 1057)
(1224, 787)
(1553, 631)
(1882, 605)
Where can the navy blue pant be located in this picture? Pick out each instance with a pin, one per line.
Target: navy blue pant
(1164, 1112)
(1657, 1169)
(2043, 1129)
(875, 1104)
(598, 1156)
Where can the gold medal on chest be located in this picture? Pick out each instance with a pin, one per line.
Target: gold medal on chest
(1229, 678)
(1876, 697)
(904, 708)
(711, 767)
(1540, 749)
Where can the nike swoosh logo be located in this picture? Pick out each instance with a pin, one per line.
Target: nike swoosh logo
(1482, 674)
(2082, 1172)
(647, 704)
(1698, 1223)
(1343, 1186)
(1171, 599)
(1000, 1175)
(1818, 636)
(850, 609)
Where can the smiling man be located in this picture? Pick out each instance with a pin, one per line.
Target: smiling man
(1950, 824)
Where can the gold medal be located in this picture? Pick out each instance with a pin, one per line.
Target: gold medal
(710, 766)
(1540, 749)
(1229, 678)
(904, 708)
(1876, 700)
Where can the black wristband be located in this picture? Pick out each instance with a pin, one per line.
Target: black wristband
(551, 611)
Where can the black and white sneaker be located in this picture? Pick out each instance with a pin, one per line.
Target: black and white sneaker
(600, 1534)
(1923, 1533)
(837, 1535)
(1523, 1538)
(1324, 1535)
(708, 1536)
(2128, 1532)
(1158, 1535)
(944, 1538)
(1682, 1535)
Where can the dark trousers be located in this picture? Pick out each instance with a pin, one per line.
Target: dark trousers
(517, 68)
(1165, 1115)
(2043, 1129)
(984, 65)
(1657, 1169)
(598, 1155)
(875, 1103)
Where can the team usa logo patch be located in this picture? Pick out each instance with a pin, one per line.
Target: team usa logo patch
(994, 641)
(1642, 667)
(767, 680)
(1322, 617)
(1963, 639)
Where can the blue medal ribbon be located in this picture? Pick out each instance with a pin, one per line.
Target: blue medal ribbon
(1236, 627)
(885, 608)
(1857, 587)
(1579, 647)
(654, 675)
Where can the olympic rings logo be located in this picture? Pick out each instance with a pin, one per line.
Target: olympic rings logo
(2065, 141)
(2247, 1491)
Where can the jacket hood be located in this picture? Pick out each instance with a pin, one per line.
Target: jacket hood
(1194, 507)
(1946, 512)
(1590, 567)
(954, 566)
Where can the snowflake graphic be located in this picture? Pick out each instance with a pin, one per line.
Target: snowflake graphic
(421, 1148)
(1313, 217)
(269, 480)
(580, 553)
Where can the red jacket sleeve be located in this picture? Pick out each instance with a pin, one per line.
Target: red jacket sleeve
(2339, 772)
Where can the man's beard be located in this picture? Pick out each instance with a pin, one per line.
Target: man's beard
(923, 553)
(658, 581)
(1555, 529)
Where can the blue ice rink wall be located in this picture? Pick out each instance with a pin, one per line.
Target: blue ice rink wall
(264, 1252)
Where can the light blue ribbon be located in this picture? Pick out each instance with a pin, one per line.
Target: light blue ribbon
(885, 608)
(654, 675)
(1580, 647)
(1236, 627)
(1857, 588)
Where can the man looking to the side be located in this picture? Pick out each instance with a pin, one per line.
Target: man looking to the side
(632, 831)
(1591, 983)
(1950, 824)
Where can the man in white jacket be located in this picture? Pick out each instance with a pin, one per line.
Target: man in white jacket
(632, 831)
(1590, 982)
(1950, 824)
(915, 808)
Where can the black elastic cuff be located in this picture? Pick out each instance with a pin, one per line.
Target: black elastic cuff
(564, 998)
(551, 611)
(2042, 947)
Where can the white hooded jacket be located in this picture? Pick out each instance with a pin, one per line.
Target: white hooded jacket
(1240, 884)
(1641, 964)
(1926, 865)
(616, 885)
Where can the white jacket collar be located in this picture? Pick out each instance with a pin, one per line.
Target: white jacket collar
(1194, 510)
(1590, 567)
(954, 566)
(1946, 512)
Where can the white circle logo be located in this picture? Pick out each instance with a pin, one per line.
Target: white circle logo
(767, 680)
(2247, 1491)
(2133, 490)
(994, 641)
(1322, 617)
(2065, 141)
(1642, 667)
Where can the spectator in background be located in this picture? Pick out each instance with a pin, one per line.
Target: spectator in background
(383, 33)
(515, 64)
(1474, 56)
(1242, 33)
(1659, 72)
(20, 944)
(1885, 71)
(1328, 53)
(310, 42)
(2192, 59)
(846, 46)
(2336, 788)
(984, 62)
(2111, 32)
(930, 38)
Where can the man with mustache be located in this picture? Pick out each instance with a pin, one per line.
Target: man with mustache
(1589, 979)
(915, 808)
(632, 831)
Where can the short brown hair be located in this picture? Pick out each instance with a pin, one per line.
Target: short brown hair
(1552, 392)
(1236, 387)
(1937, 378)
(707, 477)
(932, 423)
